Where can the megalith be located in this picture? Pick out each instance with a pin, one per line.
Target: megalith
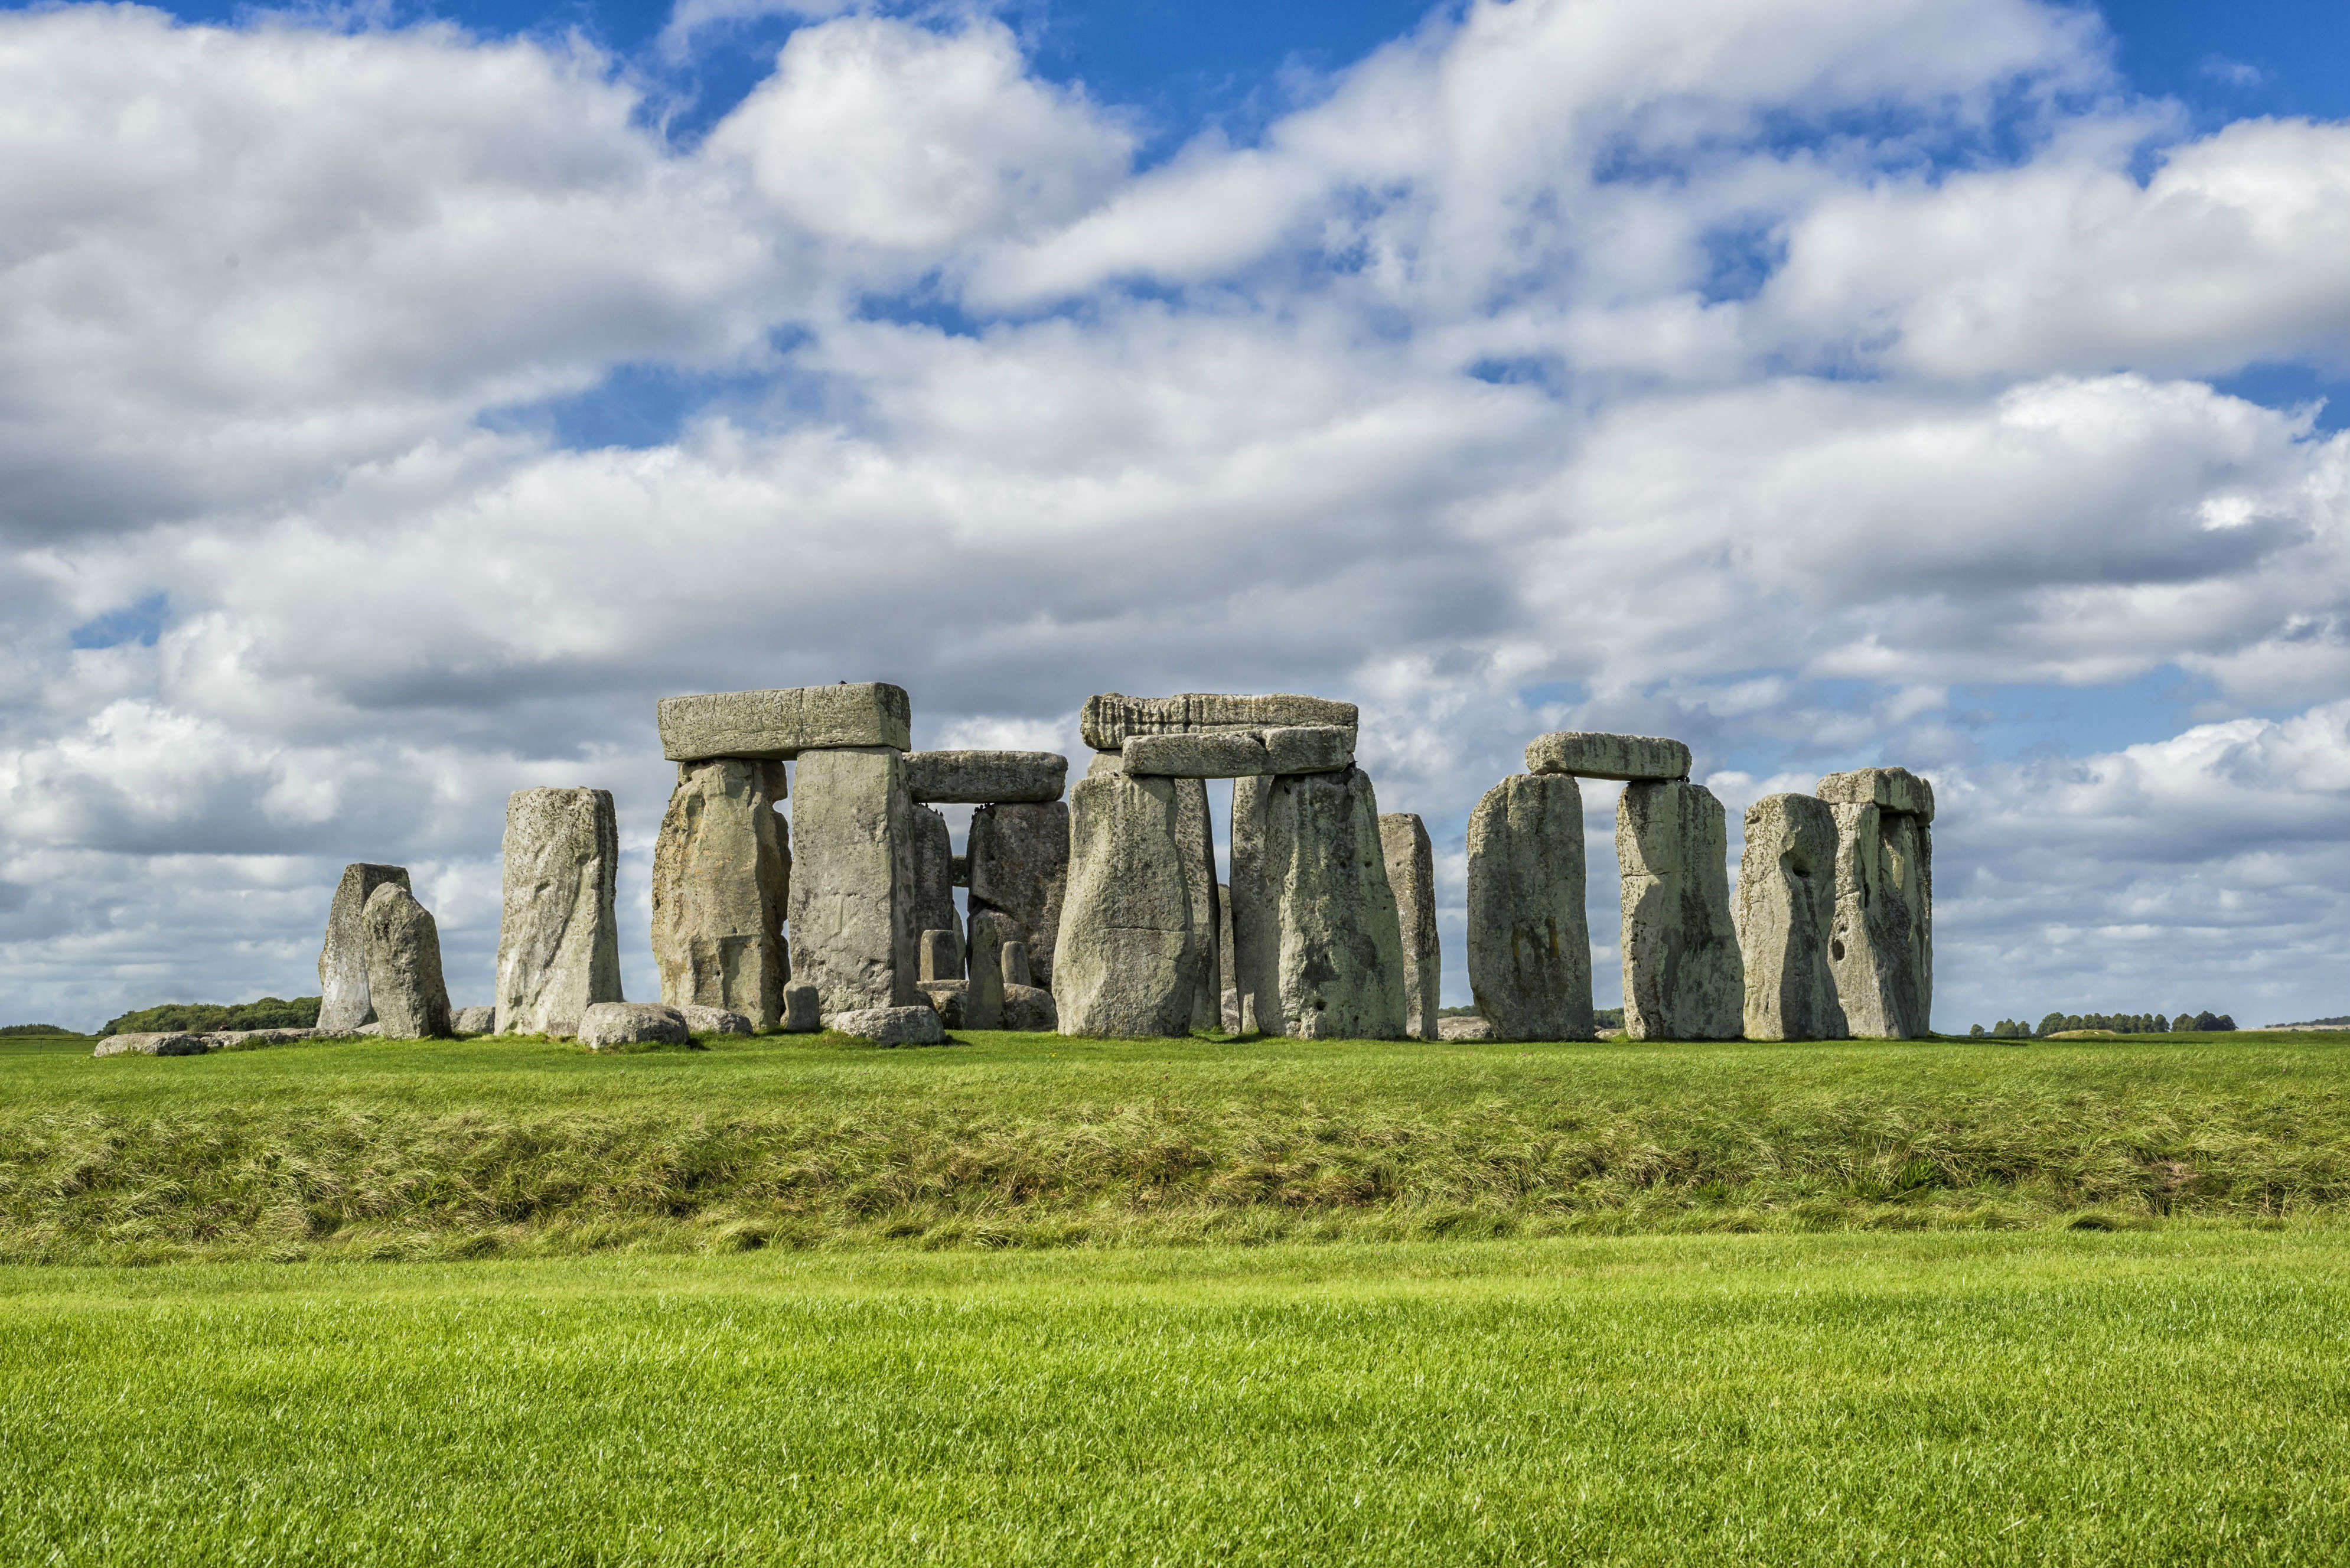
(343, 1004)
(1881, 947)
(1529, 939)
(1229, 1012)
(1785, 913)
(722, 882)
(403, 963)
(982, 1006)
(1411, 872)
(933, 890)
(1683, 977)
(777, 726)
(1111, 717)
(1127, 961)
(1316, 933)
(1016, 863)
(853, 936)
(1196, 830)
(558, 934)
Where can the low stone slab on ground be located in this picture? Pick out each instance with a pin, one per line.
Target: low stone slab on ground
(1463, 1029)
(610, 1024)
(250, 1039)
(779, 725)
(1887, 789)
(985, 778)
(1596, 756)
(891, 1026)
(475, 1021)
(1110, 717)
(166, 1044)
(715, 1021)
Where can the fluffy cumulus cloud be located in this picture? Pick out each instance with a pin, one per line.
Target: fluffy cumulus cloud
(1784, 375)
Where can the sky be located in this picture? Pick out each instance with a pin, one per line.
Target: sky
(396, 400)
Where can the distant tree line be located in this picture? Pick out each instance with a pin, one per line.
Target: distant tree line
(2111, 1023)
(35, 1029)
(203, 1017)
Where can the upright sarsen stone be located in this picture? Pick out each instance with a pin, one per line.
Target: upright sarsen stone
(1126, 963)
(1318, 920)
(558, 934)
(852, 873)
(1882, 945)
(1017, 861)
(1529, 939)
(933, 889)
(343, 1004)
(722, 882)
(1786, 912)
(403, 960)
(1684, 977)
(1411, 872)
(1197, 832)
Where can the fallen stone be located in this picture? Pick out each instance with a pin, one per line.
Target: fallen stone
(1227, 754)
(1785, 914)
(609, 1023)
(777, 726)
(475, 1021)
(558, 936)
(252, 1039)
(1309, 748)
(1529, 940)
(1020, 867)
(1015, 958)
(1126, 963)
(891, 1026)
(1312, 909)
(982, 1006)
(947, 998)
(933, 896)
(722, 885)
(1609, 756)
(1111, 717)
(343, 1002)
(985, 778)
(165, 1043)
(852, 875)
(1887, 789)
(403, 954)
(1029, 1010)
(1684, 977)
(1881, 947)
(1463, 1028)
(1411, 872)
(802, 1009)
(701, 1019)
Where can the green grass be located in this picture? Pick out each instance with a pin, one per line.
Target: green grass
(497, 1147)
(2170, 1396)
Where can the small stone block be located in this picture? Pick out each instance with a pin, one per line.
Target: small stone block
(1469, 1027)
(892, 1025)
(1309, 748)
(984, 778)
(941, 955)
(947, 998)
(1590, 756)
(779, 725)
(1029, 1010)
(802, 1009)
(1015, 960)
(702, 1020)
(1887, 789)
(610, 1024)
(1228, 755)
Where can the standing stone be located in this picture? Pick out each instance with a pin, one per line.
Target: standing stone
(1411, 872)
(1317, 937)
(1229, 1012)
(1253, 899)
(1882, 945)
(403, 961)
(721, 883)
(933, 892)
(1197, 831)
(343, 1004)
(941, 955)
(982, 1006)
(852, 873)
(558, 936)
(1786, 918)
(1683, 977)
(1014, 961)
(803, 1009)
(1529, 939)
(1127, 961)
(1018, 857)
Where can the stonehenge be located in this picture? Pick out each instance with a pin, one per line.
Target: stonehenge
(558, 937)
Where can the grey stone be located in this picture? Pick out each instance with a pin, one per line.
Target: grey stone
(475, 1021)
(941, 955)
(370, 1031)
(1127, 961)
(1463, 1027)
(933, 894)
(343, 1002)
(1529, 940)
(1316, 938)
(891, 1026)
(779, 725)
(1020, 867)
(1029, 1010)
(1411, 872)
(610, 1024)
(1110, 718)
(715, 1021)
(558, 936)
(1229, 1005)
(985, 778)
(1609, 756)
(722, 885)
(1106, 762)
(1196, 831)
(1786, 912)
(165, 1043)
(852, 873)
(1887, 789)
(1220, 755)
(1882, 945)
(252, 1039)
(982, 1006)
(947, 998)
(403, 953)
(802, 1009)
(1309, 748)
(1015, 958)
(1684, 977)
(962, 864)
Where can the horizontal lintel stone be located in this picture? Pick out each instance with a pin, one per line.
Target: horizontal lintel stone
(1887, 789)
(1310, 748)
(777, 726)
(1220, 754)
(1592, 757)
(1111, 717)
(984, 778)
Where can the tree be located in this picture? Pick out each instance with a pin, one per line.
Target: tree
(2049, 1024)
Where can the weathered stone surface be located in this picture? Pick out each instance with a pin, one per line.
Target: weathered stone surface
(1309, 748)
(1463, 1028)
(1196, 828)
(1607, 756)
(982, 1006)
(558, 936)
(252, 1039)
(1220, 754)
(891, 1026)
(715, 1021)
(722, 882)
(343, 1002)
(1881, 948)
(1227, 971)
(403, 956)
(802, 1009)
(1411, 872)
(1020, 867)
(933, 894)
(1683, 977)
(779, 725)
(962, 864)
(610, 1024)
(1106, 762)
(1887, 789)
(1314, 920)
(1017, 971)
(1785, 911)
(1529, 940)
(475, 1021)
(1110, 718)
(947, 998)
(1127, 961)
(852, 875)
(1029, 1009)
(985, 778)
(167, 1044)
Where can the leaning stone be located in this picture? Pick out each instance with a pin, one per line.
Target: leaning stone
(1887, 789)
(558, 936)
(1411, 872)
(475, 1021)
(891, 1026)
(802, 1009)
(1015, 960)
(1226, 754)
(982, 1006)
(1127, 962)
(721, 883)
(403, 949)
(1313, 918)
(1020, 867)
(779, 725)
(985, 778)
(1882, 945)
(933, 896)
(852, 874)
(1529, 940)
(1683, 977)
(166, 1044)
(1785, 914)
(947, 998)
(1463, 1028)
(1309, 748)
(1029, 1010)
(715, 1021)
(343, 1004)
(1110, 718)
(610, 1024)
(1609, 756)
